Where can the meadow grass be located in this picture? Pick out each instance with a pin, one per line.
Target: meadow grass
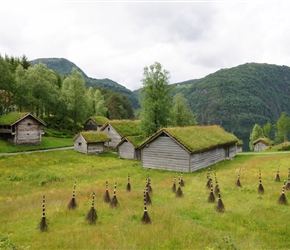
(47, 143)
(250, 220)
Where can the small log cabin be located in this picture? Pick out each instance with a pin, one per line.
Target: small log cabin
(118, 129)
(21, 129)
(261, 144)
(187, 149)
(95, 123)
(128, 147)
(90, 142)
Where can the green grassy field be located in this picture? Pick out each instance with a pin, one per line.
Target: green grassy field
(250, 220)
(47, 143)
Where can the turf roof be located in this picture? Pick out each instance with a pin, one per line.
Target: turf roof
(136, 141)
(13, 117)
(94, 136)
(100, 119)
(198, 138)
(266, 141)
(126, 127)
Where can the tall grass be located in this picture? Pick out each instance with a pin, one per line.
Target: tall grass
(250, 220)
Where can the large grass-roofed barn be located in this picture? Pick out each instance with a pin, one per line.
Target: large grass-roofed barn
(118, 129)
(21, 128)
(90, 142)
(187, 149)
(95, 123)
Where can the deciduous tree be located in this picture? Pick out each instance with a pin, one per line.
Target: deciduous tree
(257, 133)
(156, 100)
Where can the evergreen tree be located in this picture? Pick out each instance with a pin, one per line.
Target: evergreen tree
(156, 101)
(267, 130)
(283, 128)
(257, 133)
(181, 114)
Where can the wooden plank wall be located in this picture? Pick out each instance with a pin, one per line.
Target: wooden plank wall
(203, 160)
(94, 148)
(126, 150)
(80, 145)
(164, 153)
(28, 132)
(115, 137)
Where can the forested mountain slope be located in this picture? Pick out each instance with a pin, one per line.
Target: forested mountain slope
(239, 97)
(64, 68)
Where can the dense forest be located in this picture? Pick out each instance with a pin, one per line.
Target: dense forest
(63, 67)
(239, 97)
(61, 100)
(235, 98)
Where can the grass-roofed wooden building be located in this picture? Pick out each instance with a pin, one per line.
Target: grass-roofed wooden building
(90, 142)
(21, 128)
(95, 123)
(261, 143)
(128, 147)
(187, 149)
(118, 129)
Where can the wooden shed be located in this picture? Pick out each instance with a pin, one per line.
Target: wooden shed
(261, 144)
(128, 147)
(90, 142)
(21, 128)
(187, 149)
(118, 129)
(95, 123)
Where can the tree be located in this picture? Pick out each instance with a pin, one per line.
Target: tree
(7, 87)
(267, 130)
(96, 102)
(41, 88)
(181, 114)
(257, 133)
(74, 94)
(283, 128)
(119, 106)
(156, 101)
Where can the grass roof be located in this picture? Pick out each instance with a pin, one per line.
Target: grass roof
(11, 118)
(136, 140)
(126, 127)
(200, 138)
(94, 136)
(100, 120)
(266, 141)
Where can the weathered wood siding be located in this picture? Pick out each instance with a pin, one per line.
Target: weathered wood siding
(126, 150)
(115, 137)
(165, 153)
(27, 132)
(239, 149)
(80, 145)
(208, 158)
(94, 148)
(91, 125)
(233, 151)
(260, 146)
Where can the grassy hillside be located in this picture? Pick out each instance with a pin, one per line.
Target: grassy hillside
(64, 67)
(250, 220)
(239, 97)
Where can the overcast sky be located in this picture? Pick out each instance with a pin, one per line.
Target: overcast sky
(117, 39)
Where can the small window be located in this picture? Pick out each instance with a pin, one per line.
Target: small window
(80, 144)
(29, 124)
(108, 128)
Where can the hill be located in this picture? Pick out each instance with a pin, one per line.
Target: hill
(239, 97)
(64, 68)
